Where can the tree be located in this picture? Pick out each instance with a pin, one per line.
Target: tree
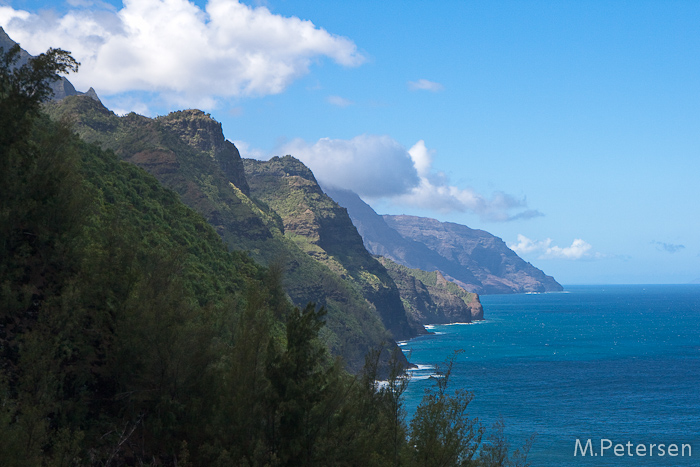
(494, 452)
(23, 88)
(442, 433)
(300, 381)
(42, 212)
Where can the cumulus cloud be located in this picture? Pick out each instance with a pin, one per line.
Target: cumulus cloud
(172, 47)
(579, 249)
(339, 101)
(434, 192)
(370, 165)
(668, 247)
(425, 85)
(380, 167)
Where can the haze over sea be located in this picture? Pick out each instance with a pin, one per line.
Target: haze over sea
(618, 362)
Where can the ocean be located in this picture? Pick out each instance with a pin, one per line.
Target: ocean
(616, 365)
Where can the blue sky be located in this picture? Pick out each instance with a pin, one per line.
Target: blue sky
(568, 129)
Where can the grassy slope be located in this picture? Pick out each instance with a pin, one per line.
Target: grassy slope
(430, 298)
(187, 164)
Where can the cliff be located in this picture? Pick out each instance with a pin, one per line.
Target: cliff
(497, 268)
(187, 152)
(325, 232)
(429, 298)
(477, 260)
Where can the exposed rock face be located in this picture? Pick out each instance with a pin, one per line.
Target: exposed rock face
(496, 267)
(203, 133)
(324, 230)
(430, 299)
(186, 151)
(471, 299)
(475, 259)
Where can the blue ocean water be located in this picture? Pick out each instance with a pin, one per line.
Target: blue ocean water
(618, 363)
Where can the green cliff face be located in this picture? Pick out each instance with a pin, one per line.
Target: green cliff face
(429, 298)
(187, 152)
(322, 229)
(184, 152)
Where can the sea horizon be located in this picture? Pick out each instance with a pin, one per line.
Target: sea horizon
(609, 363)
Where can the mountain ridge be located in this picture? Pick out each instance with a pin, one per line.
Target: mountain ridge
(324, 230)
(187, 152)
(475, 259)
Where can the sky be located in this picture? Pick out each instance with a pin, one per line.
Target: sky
(570, 129)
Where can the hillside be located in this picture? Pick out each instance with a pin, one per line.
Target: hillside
(429, 298)
(324, 230)
(496, 267)
(474, 259)
(188, 153)
(130, 334)
(121, 311)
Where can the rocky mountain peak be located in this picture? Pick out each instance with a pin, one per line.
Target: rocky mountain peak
(196, 128)
(61, 88)
(289, 166)
(201, 132)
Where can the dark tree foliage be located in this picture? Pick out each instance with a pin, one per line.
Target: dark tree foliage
(441, 431)
(23, 88)
(130, 335)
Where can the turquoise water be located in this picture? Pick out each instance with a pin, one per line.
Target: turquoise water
(620, 363)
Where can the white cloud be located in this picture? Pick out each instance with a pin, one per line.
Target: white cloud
(339, 101)
(425, 85)
(248, 152)
(370, 165)
(579, 249)
(8, 14)
(435, 192)
(380, 167)
(422, 158)
(172, 47)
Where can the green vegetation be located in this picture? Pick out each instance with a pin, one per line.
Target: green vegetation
(323, 230)
(130, 334)
(429, 298)
(186, 152)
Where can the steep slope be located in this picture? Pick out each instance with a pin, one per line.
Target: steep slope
(429, 298)
(382, 240)
(201, 177)
(475, 259)
(497, 267)
(324, 230)
(188, 153)
(119, 307)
